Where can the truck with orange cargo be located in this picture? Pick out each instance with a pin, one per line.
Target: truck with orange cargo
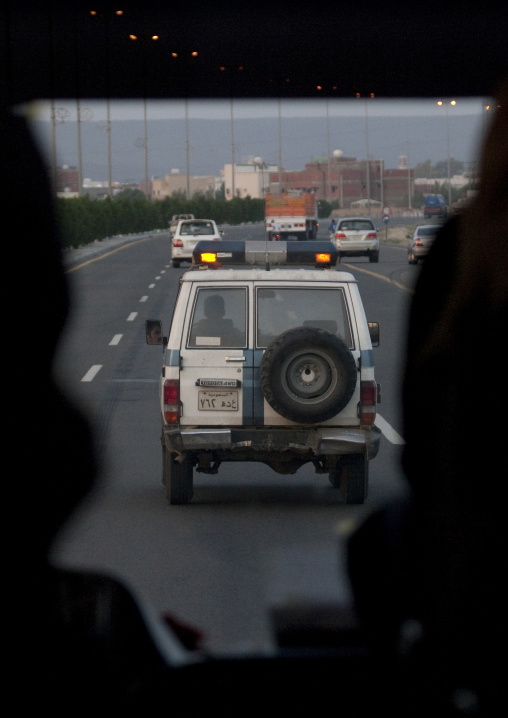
(291, 216)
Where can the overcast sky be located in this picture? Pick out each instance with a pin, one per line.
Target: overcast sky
(290, 131)
(224, 109)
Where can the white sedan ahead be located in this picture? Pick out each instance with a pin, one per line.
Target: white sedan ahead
(188, 233)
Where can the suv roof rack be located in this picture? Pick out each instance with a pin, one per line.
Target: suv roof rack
(264, 253)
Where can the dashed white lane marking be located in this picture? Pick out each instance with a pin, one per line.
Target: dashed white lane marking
(388, 431)
(132, 316)
(143, 299)
(116, 340)
(92, 372)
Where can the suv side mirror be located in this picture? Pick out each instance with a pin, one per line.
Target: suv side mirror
(153, 331)
(374, 333)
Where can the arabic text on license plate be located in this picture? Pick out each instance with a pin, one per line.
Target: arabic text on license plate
(218, 401)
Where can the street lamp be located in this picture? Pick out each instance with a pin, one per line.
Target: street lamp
(409, 202)
(83, 114)
(445, 104)
(58, 116)
(259, 164)
(367, 151)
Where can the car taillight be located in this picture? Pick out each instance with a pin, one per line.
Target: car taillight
(340, 235)
(372, 235)
(177, 243)
(171, 401)
(368, 400)
(418, 242)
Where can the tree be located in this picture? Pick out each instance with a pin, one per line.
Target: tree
(130, 193)
(439, 169)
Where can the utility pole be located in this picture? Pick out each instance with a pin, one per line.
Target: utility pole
(187, 145)
(232, 152)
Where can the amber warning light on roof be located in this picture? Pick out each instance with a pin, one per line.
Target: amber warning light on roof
(323, 258)
(208, 257)
(261, 253)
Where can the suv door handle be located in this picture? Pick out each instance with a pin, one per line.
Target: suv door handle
(235, 358)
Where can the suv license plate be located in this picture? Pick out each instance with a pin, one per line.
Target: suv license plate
(218, 401)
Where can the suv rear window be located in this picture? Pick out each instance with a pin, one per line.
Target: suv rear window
(356, 224)
(219, 318)
(279, 309)
(196, 228)
(427, 231)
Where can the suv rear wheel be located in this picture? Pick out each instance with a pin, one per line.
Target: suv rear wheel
(177, 477)
(307, 375)
(351, 477)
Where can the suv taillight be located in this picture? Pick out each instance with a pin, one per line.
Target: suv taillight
(368, 401)
(340, 235)
(171, 401)
(177, 243)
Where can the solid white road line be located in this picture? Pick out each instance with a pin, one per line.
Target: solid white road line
(388, 431)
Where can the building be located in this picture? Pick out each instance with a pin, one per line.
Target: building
(349, 180)
(247, 180)
(184, 185)
(67, 181)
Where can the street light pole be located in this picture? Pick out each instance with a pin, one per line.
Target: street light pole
(232, 152)
(280, 147)
(260, 165)
(409, 198)
(187, 147)
(328, 188)
(108, 137)
(453, 103)
(146, 149)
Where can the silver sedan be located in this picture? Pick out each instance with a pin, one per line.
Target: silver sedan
(421, 241)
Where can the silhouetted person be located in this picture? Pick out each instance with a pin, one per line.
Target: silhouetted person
(74, 639)
(215, 329)
(428, 574)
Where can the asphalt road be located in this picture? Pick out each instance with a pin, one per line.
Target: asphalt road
(251, 540)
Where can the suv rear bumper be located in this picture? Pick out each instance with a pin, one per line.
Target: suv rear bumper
(321, 441)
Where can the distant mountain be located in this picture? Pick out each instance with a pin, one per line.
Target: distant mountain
(211, 143)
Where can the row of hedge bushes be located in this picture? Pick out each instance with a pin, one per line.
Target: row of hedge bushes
(84, 220)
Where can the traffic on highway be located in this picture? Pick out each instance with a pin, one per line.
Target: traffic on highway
(253, 542)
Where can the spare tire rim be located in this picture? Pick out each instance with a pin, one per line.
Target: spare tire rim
(309, 376)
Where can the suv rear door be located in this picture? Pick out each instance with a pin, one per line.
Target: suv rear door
(216, 362)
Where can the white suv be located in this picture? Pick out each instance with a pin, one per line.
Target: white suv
(176, 218)
(356, 237)
(187, 234)
(269, 358)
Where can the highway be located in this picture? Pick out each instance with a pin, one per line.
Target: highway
(251, 540)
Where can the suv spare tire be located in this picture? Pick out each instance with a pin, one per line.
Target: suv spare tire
(307, 375)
